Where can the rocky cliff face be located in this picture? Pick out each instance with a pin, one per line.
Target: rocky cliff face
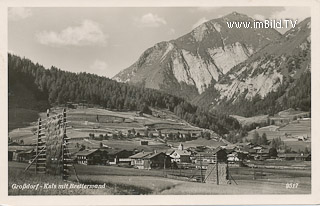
(281, 61)
(214, 65)
(187, 65)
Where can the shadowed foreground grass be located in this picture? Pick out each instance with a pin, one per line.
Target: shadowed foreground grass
(20, 177)
(124, 181)
(17, 176)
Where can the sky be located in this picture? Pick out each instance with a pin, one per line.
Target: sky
(105, 41)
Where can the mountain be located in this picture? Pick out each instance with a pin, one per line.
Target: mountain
(187, 66)
(276, 77)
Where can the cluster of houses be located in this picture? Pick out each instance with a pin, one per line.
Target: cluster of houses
(199, 157)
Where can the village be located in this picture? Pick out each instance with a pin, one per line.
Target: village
(159, 142)
(200, 156)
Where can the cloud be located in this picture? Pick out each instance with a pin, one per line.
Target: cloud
(86, 34)
(259, 17)
(17, 13)
(98, 67)
(150, 20)
(299, 13)
(171, 31)
(199, 22)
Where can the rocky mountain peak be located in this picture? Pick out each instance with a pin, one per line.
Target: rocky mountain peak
(205, 54)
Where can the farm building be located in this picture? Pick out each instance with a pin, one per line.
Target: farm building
(92, 157)
(118, 156)
(150, 160)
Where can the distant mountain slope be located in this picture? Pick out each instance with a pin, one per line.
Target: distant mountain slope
(187, 65)
(276, 76)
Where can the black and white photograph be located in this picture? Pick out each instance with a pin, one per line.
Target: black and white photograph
(159, 100)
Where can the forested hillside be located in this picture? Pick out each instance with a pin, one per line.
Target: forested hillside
(34, 87)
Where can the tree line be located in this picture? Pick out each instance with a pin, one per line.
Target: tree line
(54, 86)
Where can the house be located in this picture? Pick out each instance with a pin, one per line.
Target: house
(233, 157)
(203, 159)
(20, 152)
(26, 156)
(302, 138)
(295, 156)
(116, 156)
(150, 160)
(256, 152)
(144, 142)
(261, 152)
(137, 160)
(303, 157)
(180, 155)
(92, 157)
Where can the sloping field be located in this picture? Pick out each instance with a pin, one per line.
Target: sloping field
(293, 130)
(298, 128)
(97, 121)
(250, 120)
(289, 134)
(125, 144)
(200, 142)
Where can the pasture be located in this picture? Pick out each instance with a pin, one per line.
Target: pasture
(288, 133)
(291, 130)
(97, 121)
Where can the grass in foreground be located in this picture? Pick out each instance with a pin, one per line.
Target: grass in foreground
(125, 181)
(17, 176)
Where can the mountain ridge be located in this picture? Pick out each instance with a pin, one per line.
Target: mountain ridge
(198, 57)
(211, 71)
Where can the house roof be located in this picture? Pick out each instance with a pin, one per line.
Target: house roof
(248, 149)
(168, 151)
(146, 155)
(87, 152)
(264, 151)
(244, 143)
(114, 151)
(19, 148)
(140, 155)
(210, 152)
(182, 152)
(29, 151)
(14, 144)
(152, 155)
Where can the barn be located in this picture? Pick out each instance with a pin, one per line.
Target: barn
(150, 160)
(116, 156)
